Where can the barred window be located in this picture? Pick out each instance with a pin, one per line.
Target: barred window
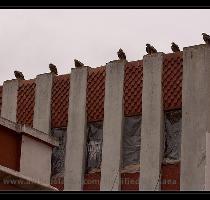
(131, 144)
(173, 124)
(94, 146)
(58, 153)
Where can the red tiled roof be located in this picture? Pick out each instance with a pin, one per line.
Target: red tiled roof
(1, 90)
(95, 93)
(26, 102)
(172, 81)
(133, 81)
(172, 92)
(60, 100)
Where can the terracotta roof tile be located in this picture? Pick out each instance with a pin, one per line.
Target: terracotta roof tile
(1, 90)
(60, 100)
(133, 81)
(95, 93)
(172, 81)
(25, 102)
(172, 92)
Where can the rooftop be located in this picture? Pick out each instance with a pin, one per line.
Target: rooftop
(133, 80)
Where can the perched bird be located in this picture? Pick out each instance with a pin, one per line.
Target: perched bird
(174, 47)
(53, 69)
(19, 75)
(78, 64)
(206, 38)
(121, 55)
(150, 49)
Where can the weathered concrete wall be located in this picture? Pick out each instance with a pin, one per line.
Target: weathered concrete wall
(152, 123)
(35, 160)
(42, 109)
(113, 126)
(9, 99)
(195, 116)
(207, 167)
(76, 131)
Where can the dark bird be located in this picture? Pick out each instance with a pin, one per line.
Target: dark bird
(53, 69)
(19, 75)
(206, 38)
(121, 54)
(174, 47)
(78, 64)
(150, 49)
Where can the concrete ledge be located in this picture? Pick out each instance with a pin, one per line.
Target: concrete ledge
(40, 136)
(22, 182)
(10, 125)
(43, 137)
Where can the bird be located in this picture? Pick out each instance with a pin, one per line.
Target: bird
(121, 54)
(78, 64)
(206, 38)
(174, 47)
(19, 75)
(150, 49)
(53, 69)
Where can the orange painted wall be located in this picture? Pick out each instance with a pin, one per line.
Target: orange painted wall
(10, 148)
(8, 187)
(92, 182)
(170, 177)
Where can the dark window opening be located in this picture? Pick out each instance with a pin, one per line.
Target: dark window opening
(94, 147)
(173, 127)
(131, 144)
(58, 156)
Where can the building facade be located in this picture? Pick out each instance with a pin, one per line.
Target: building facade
(140, 125)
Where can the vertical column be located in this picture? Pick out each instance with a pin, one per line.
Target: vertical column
(152, 123)
(42, 109)
(195, 116)
(76, 131)
(113, 126)
(207, 167)
(9, 99)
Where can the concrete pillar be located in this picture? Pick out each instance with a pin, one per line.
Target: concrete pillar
(42, 108)
(195, 116)
(207, 167)
(113, 126)
(152, 123)
(9, 99)
(76, 131)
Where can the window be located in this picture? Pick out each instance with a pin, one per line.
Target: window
(131, 144)
(94, 146)
(172, 136)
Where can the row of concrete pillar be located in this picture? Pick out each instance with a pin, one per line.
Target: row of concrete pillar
(195, 140)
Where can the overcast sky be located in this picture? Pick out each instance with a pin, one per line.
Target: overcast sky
(31, 39)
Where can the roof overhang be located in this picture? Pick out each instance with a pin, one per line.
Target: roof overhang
(31, 132)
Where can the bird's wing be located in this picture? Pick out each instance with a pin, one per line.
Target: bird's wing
(177, 46)
(207, 37)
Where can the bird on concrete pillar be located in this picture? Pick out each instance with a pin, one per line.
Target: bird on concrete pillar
(150, 49)
(78, 64)
(121, 54)
(174, 47)
(19, 75)
(206, 38)
(53, 69)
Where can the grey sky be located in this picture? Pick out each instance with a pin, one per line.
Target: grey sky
(31, 39)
